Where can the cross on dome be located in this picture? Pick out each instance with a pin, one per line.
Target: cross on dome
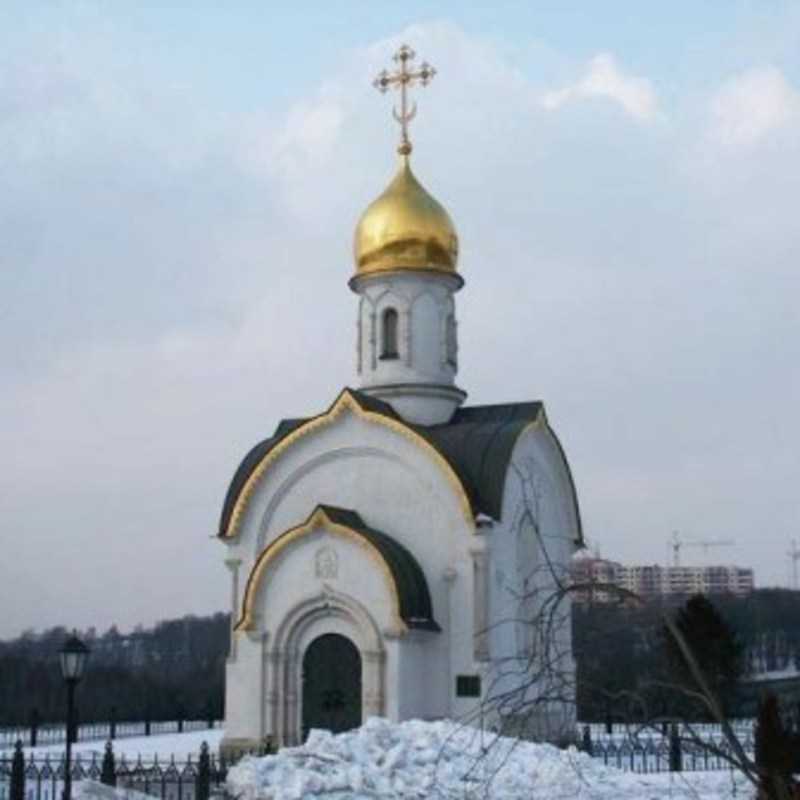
(405, 228)
(403, 78)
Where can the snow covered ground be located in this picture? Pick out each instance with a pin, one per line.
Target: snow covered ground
(93, 790)
(180, 745)
(443, 760)
(419, 760)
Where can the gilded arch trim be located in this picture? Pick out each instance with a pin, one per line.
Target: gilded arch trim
(404, 578)
(346, 402)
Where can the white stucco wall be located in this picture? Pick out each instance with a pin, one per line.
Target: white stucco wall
(423, 302)
(397, 487)
(424, 371)
(476, 573)
(531, 548)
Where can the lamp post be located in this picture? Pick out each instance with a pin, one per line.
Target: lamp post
(73, 656)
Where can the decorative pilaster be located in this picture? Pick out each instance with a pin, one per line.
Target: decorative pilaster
(273, 694)
(359, 342)
(480, 609)
(373, 340)
(292, 734)
(449, 577)
(263, 714)
(407, 335)
(374, 694)
(233, 564)
(443, 314)
(282, 682)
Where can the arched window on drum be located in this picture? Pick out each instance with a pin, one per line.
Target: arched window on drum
(451, 343)
(389, 324)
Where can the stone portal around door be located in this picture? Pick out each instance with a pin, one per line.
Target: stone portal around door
(329, 613)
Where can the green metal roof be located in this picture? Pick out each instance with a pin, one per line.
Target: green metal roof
(477, 443)
(416, 608)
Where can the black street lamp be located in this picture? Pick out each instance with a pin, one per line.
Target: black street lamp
(73, 657)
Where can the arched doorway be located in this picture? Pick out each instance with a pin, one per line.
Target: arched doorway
(331, 684)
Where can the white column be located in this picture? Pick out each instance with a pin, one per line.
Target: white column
(449, 576)
(408, 334)
(294, 686)
(359, 339)
(373, 683)
(480, 610)
(373, 340)
(263, 711)
(273, 721)
(282, 681)
(233, 565)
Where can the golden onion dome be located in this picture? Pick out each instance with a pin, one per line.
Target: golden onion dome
(405, 229)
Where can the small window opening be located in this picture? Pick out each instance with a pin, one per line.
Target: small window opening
(389, 334)
(452, 347)
(468, 686)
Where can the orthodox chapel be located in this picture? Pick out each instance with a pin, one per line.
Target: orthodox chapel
(387, 556)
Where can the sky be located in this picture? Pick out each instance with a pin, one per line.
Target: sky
(180, 184)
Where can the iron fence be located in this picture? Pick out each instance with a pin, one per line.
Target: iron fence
(197, 778)
(678, 750)
(167, 779)
(625, 730)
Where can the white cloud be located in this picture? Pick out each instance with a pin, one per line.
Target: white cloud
(751, 106)
(306, 137)
(603, 78)
(191, 261)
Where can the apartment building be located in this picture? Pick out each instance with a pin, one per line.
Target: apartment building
(597, 578)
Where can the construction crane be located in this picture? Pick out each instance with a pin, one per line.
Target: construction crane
(677, 543)
(794, 555)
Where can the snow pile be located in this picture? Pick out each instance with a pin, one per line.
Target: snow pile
(443, 760)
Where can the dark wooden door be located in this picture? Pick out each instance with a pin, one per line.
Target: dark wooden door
(331, 684)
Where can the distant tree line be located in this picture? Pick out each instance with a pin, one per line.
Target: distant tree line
(627, 664)
(172, 670)
(177, 667)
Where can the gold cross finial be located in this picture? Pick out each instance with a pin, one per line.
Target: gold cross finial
(402, 79)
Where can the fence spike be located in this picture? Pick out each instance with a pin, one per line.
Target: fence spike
(17, 789)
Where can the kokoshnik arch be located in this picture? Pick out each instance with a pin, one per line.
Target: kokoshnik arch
(396, 534)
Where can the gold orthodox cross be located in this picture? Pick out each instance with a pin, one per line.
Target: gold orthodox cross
(403, 78)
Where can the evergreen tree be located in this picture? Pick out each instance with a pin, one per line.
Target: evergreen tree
(715, 649)
(774, 751)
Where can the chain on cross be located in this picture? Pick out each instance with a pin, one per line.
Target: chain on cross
(404, 78)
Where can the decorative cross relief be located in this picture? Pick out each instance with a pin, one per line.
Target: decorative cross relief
(403, 78)
(326, 563)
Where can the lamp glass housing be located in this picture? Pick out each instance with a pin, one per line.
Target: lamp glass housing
(73, 655)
